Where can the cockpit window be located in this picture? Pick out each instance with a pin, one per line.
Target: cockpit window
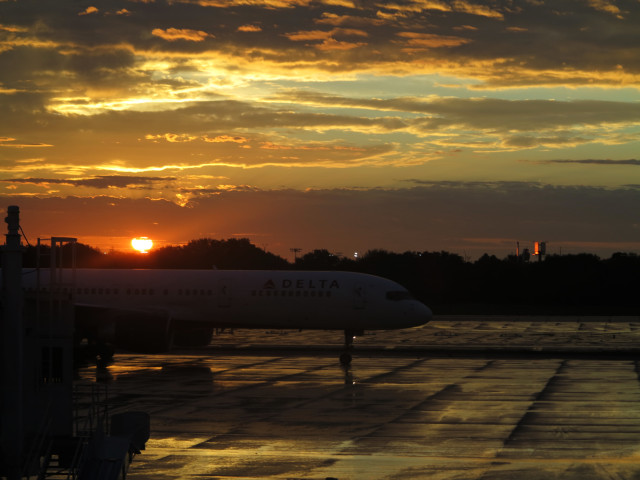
(397, 295)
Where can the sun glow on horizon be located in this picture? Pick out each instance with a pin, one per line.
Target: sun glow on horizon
(142, 244)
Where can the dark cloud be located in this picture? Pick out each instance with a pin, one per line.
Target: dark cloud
(564, 35)
(104, 181)
(631, 161)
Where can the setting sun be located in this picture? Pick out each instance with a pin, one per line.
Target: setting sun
(142, 244)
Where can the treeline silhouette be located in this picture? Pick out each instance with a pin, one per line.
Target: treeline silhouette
(581, 284)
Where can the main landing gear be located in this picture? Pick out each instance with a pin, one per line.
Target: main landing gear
(349, 336)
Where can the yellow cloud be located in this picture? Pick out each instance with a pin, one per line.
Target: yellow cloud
(120, 167)
(475, 9)
(605, 6)
(173, 34)
(7, 142)
(38, 165)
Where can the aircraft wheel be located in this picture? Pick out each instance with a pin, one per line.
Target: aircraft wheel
(105, 352)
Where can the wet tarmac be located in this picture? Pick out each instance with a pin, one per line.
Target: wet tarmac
(459, 398)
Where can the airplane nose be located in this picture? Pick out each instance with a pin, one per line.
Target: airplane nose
(420, 314)
(426, 314)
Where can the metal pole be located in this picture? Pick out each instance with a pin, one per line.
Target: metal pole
(12, 420)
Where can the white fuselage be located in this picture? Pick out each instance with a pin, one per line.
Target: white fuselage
(246, 298)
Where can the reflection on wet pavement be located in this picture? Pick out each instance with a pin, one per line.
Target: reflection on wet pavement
(298, 414)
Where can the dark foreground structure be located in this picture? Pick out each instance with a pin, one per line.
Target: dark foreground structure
(49, 428)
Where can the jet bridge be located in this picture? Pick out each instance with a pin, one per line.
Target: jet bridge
(43, 431)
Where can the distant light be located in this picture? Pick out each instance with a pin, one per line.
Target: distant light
(355, 255)
(142, 244)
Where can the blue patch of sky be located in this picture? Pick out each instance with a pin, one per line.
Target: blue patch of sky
(372, 86)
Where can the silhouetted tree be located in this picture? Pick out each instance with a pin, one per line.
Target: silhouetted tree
(85, 255)
(319, 259)
(561, 284)
(224, 254)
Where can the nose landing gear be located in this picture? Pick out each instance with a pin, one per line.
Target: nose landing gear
(349, 336)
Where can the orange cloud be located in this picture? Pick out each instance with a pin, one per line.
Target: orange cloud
(225, 138)
(431, 40)
(419, 6)
(340, 3)
(309, 35)
(173, 34)
(172, 137)
(270, 4)
(89, 11)
(340, 20)
(328, 40)
(184, 138)
(324, 35)
(249, 28)
(13, 28)
(8, 142)
(455, 6)
(332, 44)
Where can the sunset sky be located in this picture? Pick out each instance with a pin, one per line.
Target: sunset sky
(349, 125)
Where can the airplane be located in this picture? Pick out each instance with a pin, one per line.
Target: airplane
(149, 310)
